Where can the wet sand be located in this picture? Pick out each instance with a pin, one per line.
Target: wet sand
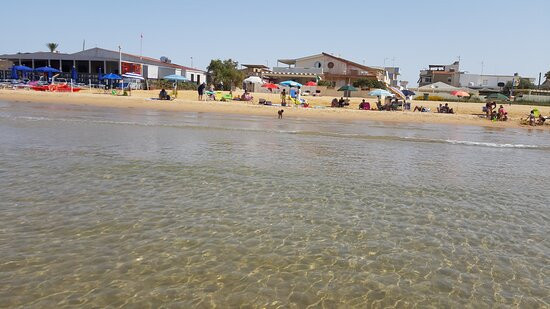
(466, 113)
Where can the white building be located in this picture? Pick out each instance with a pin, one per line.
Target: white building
(486, 81)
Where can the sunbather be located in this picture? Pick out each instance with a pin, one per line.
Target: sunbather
(502, 114)
(421, 109)
(334, 103)
(364, 105)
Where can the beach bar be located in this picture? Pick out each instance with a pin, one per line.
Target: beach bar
(88, 63)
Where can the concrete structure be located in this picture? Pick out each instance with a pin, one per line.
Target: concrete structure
(255, 70)
(88, 62)
(393, 76)
(486, 81)
(448, 74)
(325, 67)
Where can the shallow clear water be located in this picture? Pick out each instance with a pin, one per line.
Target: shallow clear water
(120, 207)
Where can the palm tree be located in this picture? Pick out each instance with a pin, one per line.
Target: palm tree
(547, 75)
(52, 46)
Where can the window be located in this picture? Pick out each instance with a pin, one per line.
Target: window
(317, 65)
(449, 79)
(427, 80)
(192, 77)
(330, 65)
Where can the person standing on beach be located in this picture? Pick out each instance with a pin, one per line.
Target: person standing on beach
(283, 97)
(201, 90)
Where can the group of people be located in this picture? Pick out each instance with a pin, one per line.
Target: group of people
(339, 103)
(445, 109)
(492, 113)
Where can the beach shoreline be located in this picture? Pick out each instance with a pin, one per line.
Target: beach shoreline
(468, 113)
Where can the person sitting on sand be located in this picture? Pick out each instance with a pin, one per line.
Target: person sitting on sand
(364, 105)
(447, 109)
(246, 96)
(502, 114)
(532, 118)
(440, 108)
(541, 120)
(334, 103)
(341, 102)
(163, 95)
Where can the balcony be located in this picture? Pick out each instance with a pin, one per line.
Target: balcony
(287, 70)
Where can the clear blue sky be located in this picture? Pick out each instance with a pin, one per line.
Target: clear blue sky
(508, 36)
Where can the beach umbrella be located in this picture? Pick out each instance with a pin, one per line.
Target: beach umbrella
(253, 80)
(498, 97)
(380, 93)
(347, 89)
(175, 78)
(290, 83)
(460, 93)
(397, 92)
(22, 68)
(408, 92)
(74, 74)
(311, 84)
(133, 76)
(14, 73)
(48, 70)
(112, 76)
(270, 86)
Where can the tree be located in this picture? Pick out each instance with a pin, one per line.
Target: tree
(52, 46)
(225, 73)
(524, 83)
(369, 83)
(547, 75)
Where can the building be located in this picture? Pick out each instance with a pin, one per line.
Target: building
(326, 67)
(255, 69)
(448, 74)
(487, 81)
(393, 76)
(88, 63)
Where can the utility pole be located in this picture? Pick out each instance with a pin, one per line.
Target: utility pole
(119, 60)
(540, 76)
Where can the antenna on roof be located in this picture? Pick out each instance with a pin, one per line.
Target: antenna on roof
(83, 44)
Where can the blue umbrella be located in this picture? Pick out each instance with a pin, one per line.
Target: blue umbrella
(14, 73)
(176, 77)
(112, 76)
(408, 92)
(74, 74)
(380, 93)
(99, 75)
(22, 68)
(290, 83)
(48, 70)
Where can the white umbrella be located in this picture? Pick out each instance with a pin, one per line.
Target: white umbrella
(133, 75)
(254, 80)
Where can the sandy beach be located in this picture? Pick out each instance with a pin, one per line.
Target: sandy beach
(466, 113)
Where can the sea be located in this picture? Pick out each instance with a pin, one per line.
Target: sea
(138, 208)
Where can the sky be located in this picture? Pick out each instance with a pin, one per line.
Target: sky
(506, 36)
